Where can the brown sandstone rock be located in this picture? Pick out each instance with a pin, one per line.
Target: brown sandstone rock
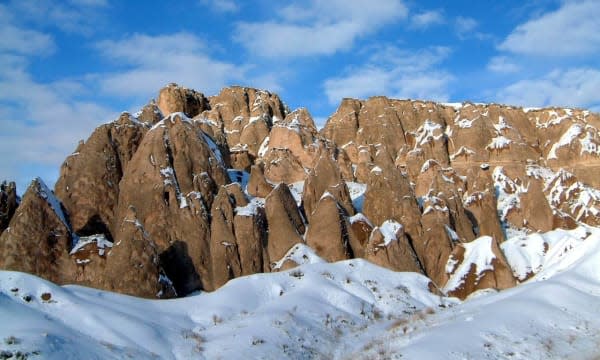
(133, 264)
(285, 223)
(225, 257)
(88, 185)
(325, 177)
(38, 239)
(174, 98)
(8, 203)
(496, 275)
(392, 250)
(258, 185)
(328, 233)
(169, 182)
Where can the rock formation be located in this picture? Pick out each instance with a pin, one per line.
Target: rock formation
(193, 191)
(8, 203)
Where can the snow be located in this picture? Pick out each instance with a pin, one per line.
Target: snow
(508, 193)
(426, 132)
(102, 243)
(502, 125)
(530, 254)
(359, 217)
(465, 123)
(565, 140)
(462, 151)
(376, 169)
(344, 310)
(551, 319)
(46, 194)
(213, 148)
(499, 142)
(252, 208)
(301, 254)
(264, 147)
(389, 229)
(478, 253)
(456, 106)
(297, 189)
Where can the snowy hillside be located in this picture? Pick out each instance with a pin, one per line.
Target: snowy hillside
(346, 310)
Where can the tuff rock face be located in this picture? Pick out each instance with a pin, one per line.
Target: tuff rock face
(193, 191)
(8, 203)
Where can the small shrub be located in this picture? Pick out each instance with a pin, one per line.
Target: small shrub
(11, 340)
(297, 274)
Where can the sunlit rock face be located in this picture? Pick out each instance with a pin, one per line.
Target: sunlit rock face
(193, 191)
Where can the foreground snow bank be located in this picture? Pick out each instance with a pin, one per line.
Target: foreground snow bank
(346, 310)
(553, 315)
(302, 313)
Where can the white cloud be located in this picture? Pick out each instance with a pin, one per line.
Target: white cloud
(40, 122)
(396, 73)
(17, 40)
(223, 6)
(466, 27)
(572, 30)
(41, 125)
(150, 62)
(503, 64)
(577, 87)
(74, 16)
(318, 28)
(426, 19)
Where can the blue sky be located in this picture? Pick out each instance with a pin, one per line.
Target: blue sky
(66, 67)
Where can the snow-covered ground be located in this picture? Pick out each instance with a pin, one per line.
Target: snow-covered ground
(346, 310)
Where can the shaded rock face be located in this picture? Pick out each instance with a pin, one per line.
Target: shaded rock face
(191, 191)
(395, 252)
(8, 203)
(88, 185)
(39, 247)
(329, 231)
(285, 222)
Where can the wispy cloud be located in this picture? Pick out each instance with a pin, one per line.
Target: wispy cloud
(427, 19)
(571, 30)
(41, 122)
(73, 16)
(146, 63)
(503, 64)
(222, 6)
(468, 28)
(317, 28)
(18, 40)
(577, 87)
(394, 72)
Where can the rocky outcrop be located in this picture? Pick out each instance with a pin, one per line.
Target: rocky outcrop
(329, 232)
(388, 246)
(476, 266)
(8, 203)
(88, 185)
(191, 191)
(38, 238)
(174, 98)
(285, 222)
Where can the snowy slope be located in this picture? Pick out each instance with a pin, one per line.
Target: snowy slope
(346, 310)
(301, 313)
